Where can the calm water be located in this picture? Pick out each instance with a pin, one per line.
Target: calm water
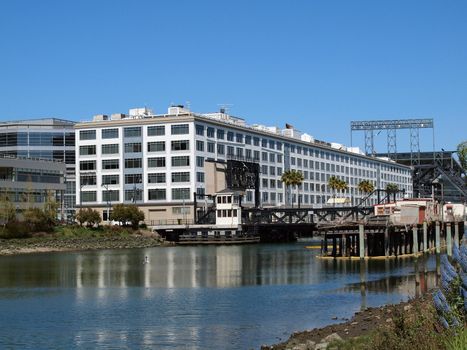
(223, 297)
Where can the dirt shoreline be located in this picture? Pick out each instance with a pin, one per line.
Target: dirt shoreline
(362, 323)
(54, 244)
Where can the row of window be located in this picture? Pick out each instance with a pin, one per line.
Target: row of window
(136, 194)
(134, 131)
(90, 179)
(56, 139)
(131, 163)
(135, 147)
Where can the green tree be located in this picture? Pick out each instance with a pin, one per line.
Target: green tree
(366, 186)
(292, 178)
(462, 154)
(343, 186)
(125, 214)
(7, 209)
(333, 184)
(89, 216)
(36, 220)
(392, 188)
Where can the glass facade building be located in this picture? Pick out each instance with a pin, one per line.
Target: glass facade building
(49, 139)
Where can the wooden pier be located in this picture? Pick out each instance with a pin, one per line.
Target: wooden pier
(382, 239)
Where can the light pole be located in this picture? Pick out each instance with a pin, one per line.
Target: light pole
(136, 190)
(108, 201)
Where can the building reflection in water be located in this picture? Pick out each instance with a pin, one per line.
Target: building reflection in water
(213, 267)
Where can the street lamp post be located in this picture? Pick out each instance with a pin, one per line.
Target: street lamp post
(108, 201)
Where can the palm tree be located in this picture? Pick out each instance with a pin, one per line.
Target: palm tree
(392, 188)
(343, 186)
(334, 184)
(366, 186)
(292, 178)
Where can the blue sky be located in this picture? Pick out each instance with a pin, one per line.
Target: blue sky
(315, 64)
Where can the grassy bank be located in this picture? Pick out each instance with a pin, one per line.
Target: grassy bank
(64, 238)
(408, 325)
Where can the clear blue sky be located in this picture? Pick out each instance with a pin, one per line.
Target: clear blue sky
(315, 64)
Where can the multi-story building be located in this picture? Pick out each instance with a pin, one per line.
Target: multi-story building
(28, 182)
(44, 139)
(157, 161)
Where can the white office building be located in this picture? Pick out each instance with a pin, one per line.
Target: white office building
(157, 161)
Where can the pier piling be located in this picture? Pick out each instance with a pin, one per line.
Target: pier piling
(456, 233)
(448, 239)
(425, 236)
(361, 240)
(415, 240)
(437, 238)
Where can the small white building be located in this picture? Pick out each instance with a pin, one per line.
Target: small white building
(228, 210)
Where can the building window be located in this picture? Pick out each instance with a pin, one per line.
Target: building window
(180, 145)
(110, 179)
(256, 155)
(181, 177)
(156, 194)
(133, 147)
(133, 178)
(211, 147)
(220, 134)
(199, 130)
(200, 146)
(158, 146)
(110, 196)
(264, 143)
(85, 135)
(87, 150)
(230, 151)
(110, 149)
(180, 210)
(239, 138)
(210, 132)
(200, 162)
(132, 163)
(133, 195)
(87, 165)
(180, 193)
(156, 162)
(156, 178)
(88, 196)
(248, 139)
(134, 131)
(256, 141)
(110, 133)
(199, 177)
(87, 180)
(239, 152)
(108, 164)
(279, 146)
(230, 136)
(220, 149)
(272, 170)
(272, 157)
(181, 161)
(158, 130)
(180, 129)
(264, 169)
(264, 156)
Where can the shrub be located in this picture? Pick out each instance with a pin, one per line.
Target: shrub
(451, 299)
(127, 214)
(89, 216)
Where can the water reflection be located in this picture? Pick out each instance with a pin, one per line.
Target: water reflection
(197, 267)
(192, 297)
